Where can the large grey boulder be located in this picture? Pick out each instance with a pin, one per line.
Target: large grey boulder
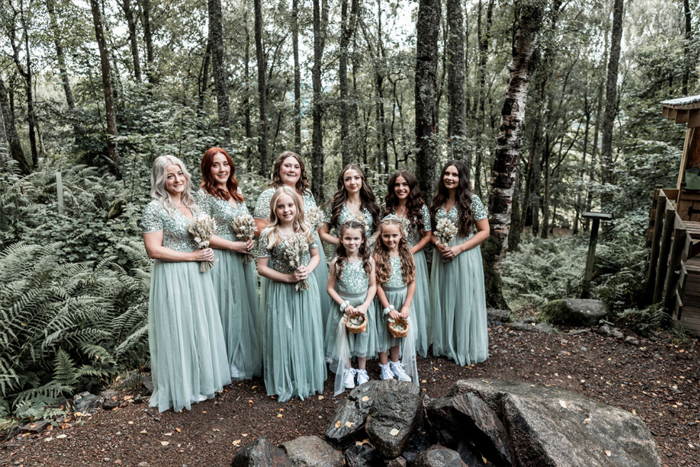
(391, 420)
(574, 312)
(553, 427)
(350, 416)
(311, 451)
(466, 418)
(439, 456)
(260, 453)
(361, 455)
(86, 402)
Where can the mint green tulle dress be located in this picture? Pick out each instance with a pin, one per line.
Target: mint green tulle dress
(236, 292)
(459, 298)
(352, 286)
(293, 360)
(421, 315)
(262, 211)
(188, 351)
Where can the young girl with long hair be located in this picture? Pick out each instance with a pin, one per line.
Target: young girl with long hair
(289, 170)
(352, 274)
(457, 277)
(186, 340)
(294, 364)
(353, 200)
(396, 287)
(403, 199)
(234, 281)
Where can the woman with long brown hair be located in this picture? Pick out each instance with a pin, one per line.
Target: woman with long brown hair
(457, 277)
(403, 199)
(289, 170)
(233, 278)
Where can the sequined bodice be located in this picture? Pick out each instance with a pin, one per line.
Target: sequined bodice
(396, 277)
(174, 227)
(221, 211)
(345, 215)
(478, 212)
(277, 260)
(262, 206)
(354, 279)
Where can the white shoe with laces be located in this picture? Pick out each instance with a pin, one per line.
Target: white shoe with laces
(362, 377)
(399, 372)
(349, 378)
(386, 372)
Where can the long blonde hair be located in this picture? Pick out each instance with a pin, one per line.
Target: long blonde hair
(158, 177)
(381, 255)
(299, 225)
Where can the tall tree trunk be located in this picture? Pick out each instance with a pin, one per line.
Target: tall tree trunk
(262, 90)
(297, 75)
(111, 114)
(4, 148)
(457, 125)
(688, 62)
(347, 29)
(61, 58)
(15, 146)
(516, 226)
(216, 39)
(382, 138)
(204, 77)
(594, 153)
(133, 42)
(510, 140)
(246, 98)
(484, 39)
(606, 151)
(148, 39)
(545, 200)
(427, 31)
(320, 22)
(584, 153)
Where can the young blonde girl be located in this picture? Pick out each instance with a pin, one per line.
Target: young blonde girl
(396, 286)
(293, 359)
(352, 288)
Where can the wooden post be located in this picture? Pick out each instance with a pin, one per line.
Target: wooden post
(590, 260)
(663, 253)
(674, 268)
(59, 192)
(656, 239)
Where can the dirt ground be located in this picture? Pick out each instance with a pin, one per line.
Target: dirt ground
(659, 381)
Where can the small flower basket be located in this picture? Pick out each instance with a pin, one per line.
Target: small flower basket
(398, 327)
(356, 323)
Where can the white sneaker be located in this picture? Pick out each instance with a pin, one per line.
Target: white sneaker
(386, 372)
(235, 372)
(399, 372)
(362, 377)
(349, 378)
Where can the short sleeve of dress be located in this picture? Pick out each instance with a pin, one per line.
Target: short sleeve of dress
(309, 201)
(426, 218)
(262, 207)
(313, 244)
(327, 217)
(151, 220)
(478, 209)
(263, 252)
(202, 200)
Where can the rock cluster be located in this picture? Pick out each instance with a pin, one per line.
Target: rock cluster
(502, 423)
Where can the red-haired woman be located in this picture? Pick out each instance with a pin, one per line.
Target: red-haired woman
(234, 280)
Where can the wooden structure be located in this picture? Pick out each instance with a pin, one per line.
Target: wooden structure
(674, 228)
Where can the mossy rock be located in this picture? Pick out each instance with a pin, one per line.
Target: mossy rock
(573, 312)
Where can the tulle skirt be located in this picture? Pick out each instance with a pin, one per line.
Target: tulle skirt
(188, 351)
(294, 364)
(321, 276)
(459, 307)
(235, 288)
(420, 315)
(363, 344)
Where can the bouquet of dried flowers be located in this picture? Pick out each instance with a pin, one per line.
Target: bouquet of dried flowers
(295, 247)
(244, 226)
(362, 219)
(314, 218)
(445, 231)
(202, 228)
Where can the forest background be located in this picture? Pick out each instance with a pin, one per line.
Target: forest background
(95, 90)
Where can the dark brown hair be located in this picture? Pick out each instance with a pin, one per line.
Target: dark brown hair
(414, 203)
(342, 254)
(463, 198)
(302, 185)
(366, 196)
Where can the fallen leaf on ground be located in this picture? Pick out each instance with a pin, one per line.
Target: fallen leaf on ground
(337, 424)
(608, 453)
(236, 442)
(164, 443)
(564, 404)
(61, 436)
(365, 399)
(349, 424)
(394, 432)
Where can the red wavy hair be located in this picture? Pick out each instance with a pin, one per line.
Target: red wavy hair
(209, 184)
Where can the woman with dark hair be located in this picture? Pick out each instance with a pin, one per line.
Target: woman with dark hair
(353, 200)
(403, 198)
(188, 352)
(234, 280)
(289, 170)
(457, 277)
